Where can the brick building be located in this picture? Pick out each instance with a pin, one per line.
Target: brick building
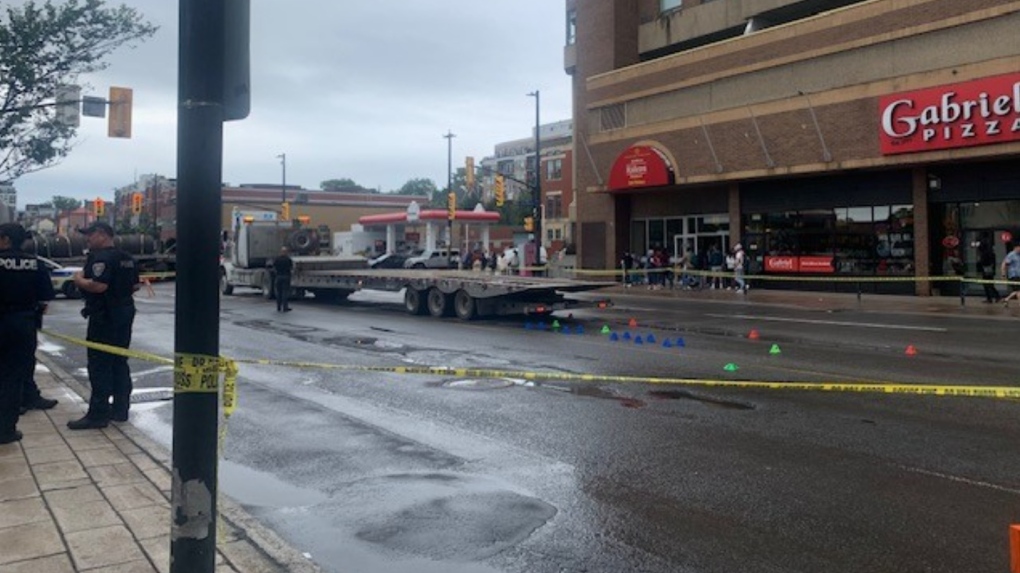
(830, 137)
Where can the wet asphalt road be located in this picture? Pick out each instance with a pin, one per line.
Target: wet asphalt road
(391, 473)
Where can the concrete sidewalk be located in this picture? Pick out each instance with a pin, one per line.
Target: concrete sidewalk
(99, 501)
(829, 301)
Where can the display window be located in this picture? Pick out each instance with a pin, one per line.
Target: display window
(873, 240)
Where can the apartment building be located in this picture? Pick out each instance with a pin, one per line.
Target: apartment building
(830, 137)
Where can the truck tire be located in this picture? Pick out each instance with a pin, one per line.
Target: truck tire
(464, 305)
(225, 286)
(440, 304)
(418, 266)
(415, 301)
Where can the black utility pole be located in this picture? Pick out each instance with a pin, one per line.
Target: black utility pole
(538, 184)
(200, 115)
(449, 188)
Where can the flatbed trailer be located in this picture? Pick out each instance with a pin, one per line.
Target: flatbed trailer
(465, 294)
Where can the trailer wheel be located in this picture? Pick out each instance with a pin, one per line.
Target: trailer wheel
(464, 305)
(225, 286)
(440, 303)
(415, 301)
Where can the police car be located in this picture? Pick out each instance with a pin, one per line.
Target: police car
(62, 277)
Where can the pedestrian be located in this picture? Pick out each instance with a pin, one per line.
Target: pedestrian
(24, 284)
(986, 265)
(627, 263)
(108, 283)
(715, 266)
(283, 267)
(739, 262)
(1011, 272)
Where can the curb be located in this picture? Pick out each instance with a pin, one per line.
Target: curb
(243, 542)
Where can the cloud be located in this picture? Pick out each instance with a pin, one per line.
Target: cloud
(357, 89)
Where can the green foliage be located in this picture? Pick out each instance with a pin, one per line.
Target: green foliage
(61, 203)
(345, 185)
(42, 46)
(419, 186)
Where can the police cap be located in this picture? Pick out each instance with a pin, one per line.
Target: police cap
(14, 232)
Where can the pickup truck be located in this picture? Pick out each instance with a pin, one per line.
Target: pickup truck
(437, 259)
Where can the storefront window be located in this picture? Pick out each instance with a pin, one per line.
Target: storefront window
(846, 240)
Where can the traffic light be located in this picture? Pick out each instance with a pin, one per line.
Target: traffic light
(99, 207)
(529, 224)
(136, 204)
(451, 205)
(119, 122)
(285, 210)
(500, 190)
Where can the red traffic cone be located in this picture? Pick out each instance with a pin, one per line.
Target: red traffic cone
(911, 351)
(632, 323)
(753, 335)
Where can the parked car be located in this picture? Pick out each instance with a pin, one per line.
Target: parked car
(388, 261)
(62, 278)
(436, 259)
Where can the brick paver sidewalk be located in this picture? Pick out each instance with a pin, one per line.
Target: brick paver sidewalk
(98, 501)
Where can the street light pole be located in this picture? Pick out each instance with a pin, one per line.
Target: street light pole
(283, 187)
(538, 183)
(449, 187)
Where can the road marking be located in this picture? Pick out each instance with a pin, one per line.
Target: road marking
(831, 322)
(964, 480)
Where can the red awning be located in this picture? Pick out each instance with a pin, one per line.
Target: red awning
(640, 166)
(429, 215)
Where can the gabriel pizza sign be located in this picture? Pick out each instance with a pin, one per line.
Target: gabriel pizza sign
(979, 112)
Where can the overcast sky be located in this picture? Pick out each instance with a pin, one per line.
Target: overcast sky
(362, 89)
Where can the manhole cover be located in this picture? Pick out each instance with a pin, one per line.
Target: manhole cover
(479, 384)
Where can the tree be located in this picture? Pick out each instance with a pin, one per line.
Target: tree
(342, 184)
(63, 204)
(419, 186)
(43, 46)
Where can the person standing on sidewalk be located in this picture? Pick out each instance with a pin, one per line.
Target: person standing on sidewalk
(108, 282)
(283, 266)
(739, 263)
(24, 284)
(1011, 272)
(986, 266)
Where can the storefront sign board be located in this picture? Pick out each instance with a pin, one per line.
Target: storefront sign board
(966, 114)
(640, 166)
(799, 265)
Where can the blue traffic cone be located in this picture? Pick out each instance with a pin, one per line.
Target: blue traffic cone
(541, 326)
(527, 325)
(579, 330)
(651, 339)
(626, 335)
(667, 344)
(614, 337)
(680, 342)
(638, 340)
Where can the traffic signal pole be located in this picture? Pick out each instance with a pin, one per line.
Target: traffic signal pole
(200, 116)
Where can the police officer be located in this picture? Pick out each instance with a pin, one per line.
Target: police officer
(24, 284)
(108, 283)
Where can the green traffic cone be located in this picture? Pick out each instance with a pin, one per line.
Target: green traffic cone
(775, 349)
(731, 367)
(605, 329)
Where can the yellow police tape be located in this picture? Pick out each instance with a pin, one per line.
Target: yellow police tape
(193, 373)
(202, 369)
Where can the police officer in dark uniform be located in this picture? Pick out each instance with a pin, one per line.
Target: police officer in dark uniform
(283, 266)
(24, 284)
(108, 283)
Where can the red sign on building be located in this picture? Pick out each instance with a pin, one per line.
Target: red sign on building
(799, 265)
(640, 166)
(978, 112)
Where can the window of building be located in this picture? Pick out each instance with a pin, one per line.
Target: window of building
(554, 169)
(667, 5)
(571, 27)
(554, 206)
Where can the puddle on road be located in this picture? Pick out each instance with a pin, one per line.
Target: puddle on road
(596, 392)
(261, 489)
(685, 395)
(478, 384)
